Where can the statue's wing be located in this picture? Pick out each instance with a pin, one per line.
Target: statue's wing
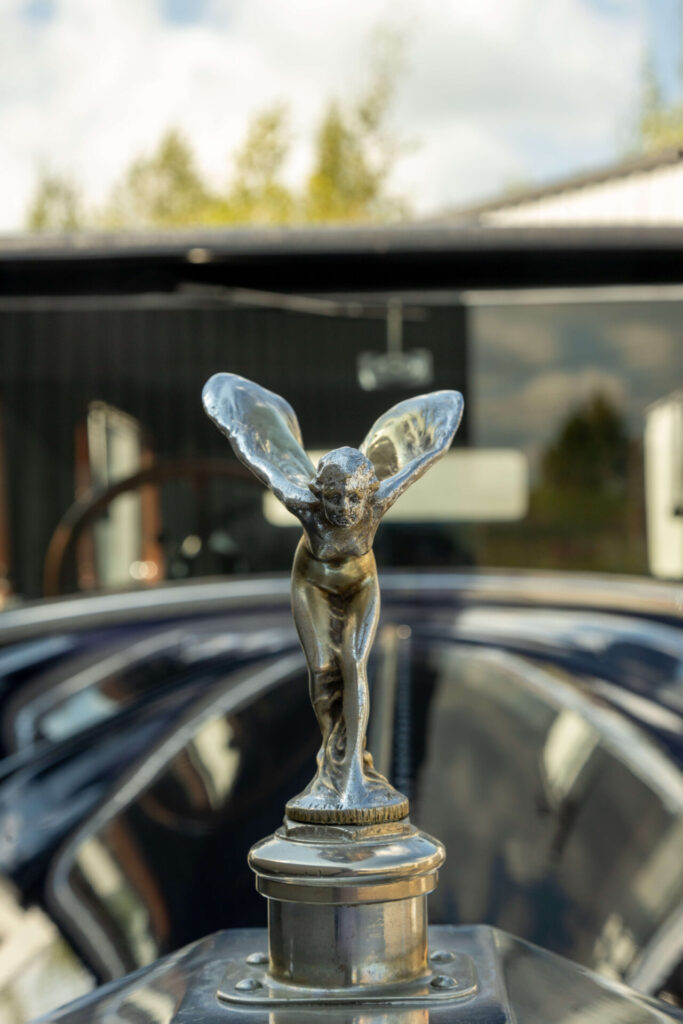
(407, 439)
(264, 433)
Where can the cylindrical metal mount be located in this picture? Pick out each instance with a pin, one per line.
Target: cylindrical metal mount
(338, 946)
(347, 905)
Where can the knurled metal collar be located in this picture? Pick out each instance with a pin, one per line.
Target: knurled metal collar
(346, 865)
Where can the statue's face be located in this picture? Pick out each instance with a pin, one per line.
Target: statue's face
(343, 502)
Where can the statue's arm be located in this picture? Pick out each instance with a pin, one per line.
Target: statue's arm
(264, 434)
(409, 438)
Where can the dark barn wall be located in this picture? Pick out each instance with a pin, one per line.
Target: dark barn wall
(150, 359)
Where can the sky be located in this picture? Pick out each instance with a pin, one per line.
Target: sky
(532, 365)
(494, 93)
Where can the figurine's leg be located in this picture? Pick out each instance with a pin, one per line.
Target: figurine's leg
(362, 613)
(313, 621)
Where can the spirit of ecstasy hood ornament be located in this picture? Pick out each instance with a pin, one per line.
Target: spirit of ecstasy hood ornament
(347, 875)
(335, 592)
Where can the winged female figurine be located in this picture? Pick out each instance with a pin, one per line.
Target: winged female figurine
(335, 591)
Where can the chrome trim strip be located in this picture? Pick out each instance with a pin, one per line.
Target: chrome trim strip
(635, 595)
(659, 957)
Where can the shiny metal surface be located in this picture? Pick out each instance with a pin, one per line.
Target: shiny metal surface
(334, 979)
(575, 810)
(347, 906)
(103, 888)
(343, 858)
(638, 596)
(594, 876)
(516, 983)
(335, 590)
(343, 947)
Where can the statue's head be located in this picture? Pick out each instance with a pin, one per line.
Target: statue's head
(343, 482)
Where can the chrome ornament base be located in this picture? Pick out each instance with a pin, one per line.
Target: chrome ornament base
(347, 913)
(346, 864)
(389, 805)
(450, 975)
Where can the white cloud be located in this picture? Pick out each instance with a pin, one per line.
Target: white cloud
(524, 342)
(494, 90)
(644, 345)
(537, 409)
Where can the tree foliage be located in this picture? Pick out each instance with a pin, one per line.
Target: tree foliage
(164, 189)
(56, 204)
(587, 506)
(355, 151)
(662, 128)
(257, 194)
(354, 154)
(660, 124)
(591, 450)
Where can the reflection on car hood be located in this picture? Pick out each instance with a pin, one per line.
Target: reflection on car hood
(535, 722)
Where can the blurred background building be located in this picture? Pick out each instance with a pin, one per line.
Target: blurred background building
(641, 190)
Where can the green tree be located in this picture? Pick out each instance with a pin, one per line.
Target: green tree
(587, 509)
(56, 204)
(591, 450)
(257, 194)
(355, 151)
(660, 124)
(164, 189)
(662, 128)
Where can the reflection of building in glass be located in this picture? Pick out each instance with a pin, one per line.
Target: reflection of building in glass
(567, 380)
